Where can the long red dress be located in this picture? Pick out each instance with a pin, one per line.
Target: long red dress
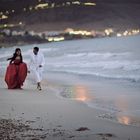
(15, 74)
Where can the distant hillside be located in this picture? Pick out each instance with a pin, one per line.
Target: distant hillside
(118, 14)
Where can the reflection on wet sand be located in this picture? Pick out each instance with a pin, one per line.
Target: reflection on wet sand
(123, 105)
(124, 120)
(116, 110)
(81, 93)
(129, 120)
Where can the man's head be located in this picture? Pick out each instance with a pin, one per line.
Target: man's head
(35, 50)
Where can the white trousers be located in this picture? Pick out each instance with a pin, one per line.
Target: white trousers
(37, 73)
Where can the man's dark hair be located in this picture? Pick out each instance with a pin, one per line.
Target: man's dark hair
(36, 48)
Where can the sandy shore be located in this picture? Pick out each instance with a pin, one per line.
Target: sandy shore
(31, 114)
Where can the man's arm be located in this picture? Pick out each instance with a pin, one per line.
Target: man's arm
(29, 64)
(42, 61)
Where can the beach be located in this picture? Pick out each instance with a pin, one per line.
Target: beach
(87, 93)
(47, 114)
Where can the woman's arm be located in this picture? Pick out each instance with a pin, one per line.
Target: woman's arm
(11, 59)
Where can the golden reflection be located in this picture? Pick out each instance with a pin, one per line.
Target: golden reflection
(81, 93)
(124, 120)
(123, 105)
(129, 120)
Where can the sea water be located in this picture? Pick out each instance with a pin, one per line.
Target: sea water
(116, 58)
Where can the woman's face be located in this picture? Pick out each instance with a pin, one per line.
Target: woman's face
(18, 52)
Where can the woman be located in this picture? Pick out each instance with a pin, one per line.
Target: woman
(16, 71)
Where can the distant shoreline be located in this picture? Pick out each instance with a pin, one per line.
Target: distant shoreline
(19, 37)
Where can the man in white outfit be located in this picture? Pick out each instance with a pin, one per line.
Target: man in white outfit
(37, 62)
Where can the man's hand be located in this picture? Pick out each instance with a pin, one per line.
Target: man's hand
(28, 71)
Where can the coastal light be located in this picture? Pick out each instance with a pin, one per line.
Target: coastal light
(88, 33)
(108, 31)
(79, 32)
(3, 17)
(24, 9)
(58, 38)
(7, 12)
(76, 2)
(20, 23)
(68, 3)
(119, 35)
(43, 5)
(13, 11)
(1, 13)
(5, 25)
(53, 4)
(50, 39)
(125, 33)
(30, 8)
(90, 4)
(135, 32)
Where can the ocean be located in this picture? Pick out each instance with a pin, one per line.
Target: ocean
(110, 58)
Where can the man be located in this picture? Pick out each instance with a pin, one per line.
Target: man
(37, 62)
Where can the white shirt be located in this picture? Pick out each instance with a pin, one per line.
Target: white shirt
(36, 61)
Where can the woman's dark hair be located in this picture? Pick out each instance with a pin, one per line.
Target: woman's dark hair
(15, 55)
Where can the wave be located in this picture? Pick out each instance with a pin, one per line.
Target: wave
(99, 55)
(131, 78)
(123, 65)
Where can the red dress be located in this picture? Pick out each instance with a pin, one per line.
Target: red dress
(15, 74)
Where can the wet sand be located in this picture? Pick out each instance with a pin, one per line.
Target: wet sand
(64, 110)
